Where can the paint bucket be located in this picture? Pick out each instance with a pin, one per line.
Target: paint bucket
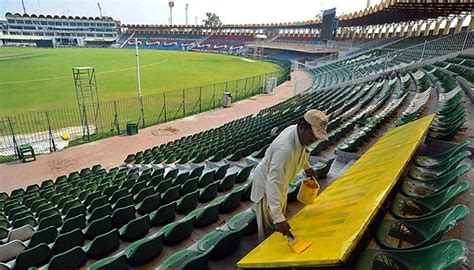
(309, 189)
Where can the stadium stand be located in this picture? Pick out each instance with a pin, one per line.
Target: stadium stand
(185, 204)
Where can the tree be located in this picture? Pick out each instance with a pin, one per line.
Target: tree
(212, 19)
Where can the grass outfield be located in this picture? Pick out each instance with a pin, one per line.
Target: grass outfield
(41, 79)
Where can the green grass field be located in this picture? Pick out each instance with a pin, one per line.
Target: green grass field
(36, 80)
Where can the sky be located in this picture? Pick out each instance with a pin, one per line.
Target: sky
(157, 11)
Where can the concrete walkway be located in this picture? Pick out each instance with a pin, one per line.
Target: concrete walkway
(111, 152)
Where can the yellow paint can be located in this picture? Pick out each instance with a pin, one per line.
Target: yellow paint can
(309, 189)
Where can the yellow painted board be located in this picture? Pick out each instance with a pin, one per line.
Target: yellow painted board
(338, 218)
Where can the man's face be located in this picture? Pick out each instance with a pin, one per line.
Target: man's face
(306, 136)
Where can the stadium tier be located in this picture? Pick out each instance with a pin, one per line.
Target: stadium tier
(395, 171)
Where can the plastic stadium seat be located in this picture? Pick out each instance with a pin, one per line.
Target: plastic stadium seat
(144, 250)
(172, 194)
(186, 260)
(24, 221)
(322, 168)
(163, 186)
(109, 191)
(171, 174)
(409, 234)
(98, 213)
(177, 231)
(118, 262)
(206, 178)
(138, 198)
(22, 233)
(97, 202)
(206, 215)
(122, 216)
(221, 172)
(444, 255)
(228, 182)
(68, 240)
(417, 188)
(189, 186)
(135, 228)
(422, 173)
(230, 201)
(218, 156)
(10, 250)
(245, 221)
(103, 244)
(46, 236)
(244, 174)
(149, 204)
(163, 215)
(77, 222)
(220, 243)
(71, 259)
(418, 207)
(209, 192)
(188, 202)
(33, 257)
(429, 161)
(53, 220)
(98, 227)
(123, 202)
(181, 178)
(196, 172)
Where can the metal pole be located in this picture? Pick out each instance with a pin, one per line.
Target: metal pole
(184, 104)
(423, 51)
(50, 133)
(140, 100)
(15, 144)
(465, 40)
(164, 105)
(187, 5)
(200, 98)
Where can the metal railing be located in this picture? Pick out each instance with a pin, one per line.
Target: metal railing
(46, 131)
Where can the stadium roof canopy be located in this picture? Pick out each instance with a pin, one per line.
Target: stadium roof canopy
(394, 11)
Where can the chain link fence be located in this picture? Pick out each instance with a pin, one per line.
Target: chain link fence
(53, 130)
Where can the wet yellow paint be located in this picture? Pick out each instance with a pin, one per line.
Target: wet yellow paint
(340, 214)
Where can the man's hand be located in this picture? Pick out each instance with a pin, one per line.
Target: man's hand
(311, 173)
(283, 227)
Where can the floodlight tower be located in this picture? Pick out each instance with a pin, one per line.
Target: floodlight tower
(23, 5)
(171, 5)
(187, 5)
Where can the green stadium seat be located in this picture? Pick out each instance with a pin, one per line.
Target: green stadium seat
(24, 221)
(206, 215)
(196, 172)
(418, 207)
(228, 182)
(163, 215)
(98, 227)
(230, 201)
(189, 186)
(177, 231)
(221, 172)
(44, 236)
(245, 221)
(188, 202)
(123, 202)
(53, 220)
(149, 204)
(417, 188)
(144, 250)
(33, 257)
(98, 213)
(68, 240)
(180, 179)
(410, 234)
(209, 192)
(429, 161)
(97, 202)
(135, 228)
(77, 222)
(422, 173)
(103, 244)
(170, 195)
(122, 216)
(147, 191)
(163, 186)
(79, 209)
(71, 259)
(206, 178)
(244, 174)
(444, 255)
(220, 243)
